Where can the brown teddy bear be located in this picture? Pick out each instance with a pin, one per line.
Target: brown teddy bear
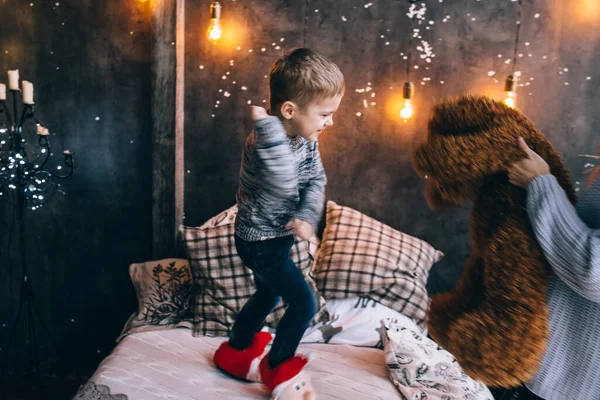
(495, 320)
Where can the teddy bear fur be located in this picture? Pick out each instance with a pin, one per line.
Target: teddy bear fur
(495, 320)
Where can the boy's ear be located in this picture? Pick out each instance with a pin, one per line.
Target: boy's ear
(287, 109)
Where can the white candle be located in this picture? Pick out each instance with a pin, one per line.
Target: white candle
(13, 79)
(27, 92)
(2, 91)
(42, 131)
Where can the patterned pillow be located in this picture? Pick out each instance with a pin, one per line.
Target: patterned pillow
(165, 293)
(360, 256)
(223, 218)
(421, 369)
(226, 282)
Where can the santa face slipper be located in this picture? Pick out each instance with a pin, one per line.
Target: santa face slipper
(297, 388)
(242, 364)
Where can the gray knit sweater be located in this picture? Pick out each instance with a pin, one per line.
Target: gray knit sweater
(281, 178)
(570, 239)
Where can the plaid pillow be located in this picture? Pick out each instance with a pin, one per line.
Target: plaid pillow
(226, 282)
(360, 256)
(165, 294)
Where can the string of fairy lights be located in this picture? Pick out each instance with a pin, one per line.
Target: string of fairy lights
(416, 16)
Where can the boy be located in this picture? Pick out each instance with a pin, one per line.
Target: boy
(281, 193)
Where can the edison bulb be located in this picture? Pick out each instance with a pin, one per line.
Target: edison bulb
(510, 88)
(407, 110)
(214, 30)
(510, 99)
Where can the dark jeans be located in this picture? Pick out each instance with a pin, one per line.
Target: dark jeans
(276, 276)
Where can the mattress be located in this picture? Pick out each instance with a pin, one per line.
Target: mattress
(172, 364)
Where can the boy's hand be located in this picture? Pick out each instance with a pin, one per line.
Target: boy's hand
(524, 171)
(302, 229)
(257, 113)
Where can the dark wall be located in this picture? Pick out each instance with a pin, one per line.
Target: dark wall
(80, 244)
(366, 157)
(90, 64)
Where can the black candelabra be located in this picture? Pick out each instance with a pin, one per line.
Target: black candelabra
(26, 184)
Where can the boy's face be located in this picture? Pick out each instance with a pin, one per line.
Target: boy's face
(310, 120)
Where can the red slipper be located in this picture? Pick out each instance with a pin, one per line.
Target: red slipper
(242, 364)
(276, 379)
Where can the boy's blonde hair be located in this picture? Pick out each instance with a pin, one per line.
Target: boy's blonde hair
(303, 76)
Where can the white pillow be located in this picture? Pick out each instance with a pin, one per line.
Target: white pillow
(355, 321)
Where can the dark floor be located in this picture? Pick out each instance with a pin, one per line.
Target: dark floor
(44, 387)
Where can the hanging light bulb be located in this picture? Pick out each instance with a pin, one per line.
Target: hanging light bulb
(214, 29)
(407, 95)
(510, 88)
(408, 90)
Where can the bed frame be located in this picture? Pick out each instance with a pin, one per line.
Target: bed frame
(168, 48)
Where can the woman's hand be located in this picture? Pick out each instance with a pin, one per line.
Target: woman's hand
(524, 171)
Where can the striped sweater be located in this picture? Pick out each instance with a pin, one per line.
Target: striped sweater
(570, 239)
(281, 178)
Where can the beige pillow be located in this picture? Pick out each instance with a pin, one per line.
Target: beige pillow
(165, 293)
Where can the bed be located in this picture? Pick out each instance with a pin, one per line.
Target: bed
(368, 340)
(173, 364)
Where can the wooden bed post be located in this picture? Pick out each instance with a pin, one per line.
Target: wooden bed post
(168, 21)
